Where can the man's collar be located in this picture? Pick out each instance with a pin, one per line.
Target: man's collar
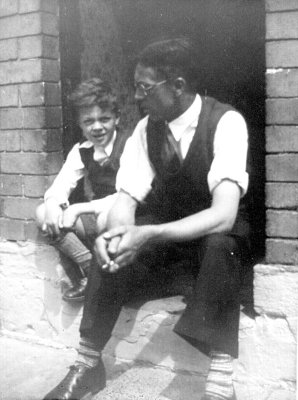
(188, 119)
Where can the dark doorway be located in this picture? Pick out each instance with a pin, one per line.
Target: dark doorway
(103, 37)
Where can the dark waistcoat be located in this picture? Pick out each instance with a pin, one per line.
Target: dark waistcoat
(185, 192)
(102, 178)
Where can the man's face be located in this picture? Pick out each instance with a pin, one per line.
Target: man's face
(97, 125)
(159, 100)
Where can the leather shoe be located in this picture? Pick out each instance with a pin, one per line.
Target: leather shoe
(77, 292)
(79, 382)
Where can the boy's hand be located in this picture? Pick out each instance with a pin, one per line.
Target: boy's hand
(53, 218)
(70, 216)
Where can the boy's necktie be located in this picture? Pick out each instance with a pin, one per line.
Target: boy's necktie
(100, 155)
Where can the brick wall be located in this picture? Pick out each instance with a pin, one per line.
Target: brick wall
(282, 131)
(276, 283)
(30, 111)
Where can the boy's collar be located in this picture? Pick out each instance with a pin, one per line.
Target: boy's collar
(87, 144)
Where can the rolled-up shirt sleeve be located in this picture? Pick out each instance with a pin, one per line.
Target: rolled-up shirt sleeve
(71, 172)
(230, 152)
(136, 173)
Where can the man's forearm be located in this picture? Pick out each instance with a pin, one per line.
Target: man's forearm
(220, 217)
(122, 212)
(186, 229)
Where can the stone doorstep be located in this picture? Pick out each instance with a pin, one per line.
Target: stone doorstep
(145, 359)
(143, 335)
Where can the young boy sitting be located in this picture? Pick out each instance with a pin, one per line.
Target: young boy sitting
(72, 228)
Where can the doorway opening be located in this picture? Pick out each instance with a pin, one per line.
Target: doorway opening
(102, 38)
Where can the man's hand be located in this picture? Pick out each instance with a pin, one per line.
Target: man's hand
(52, 219)
(124, 242)
(119, 219)
(103, 256)
(119, 247)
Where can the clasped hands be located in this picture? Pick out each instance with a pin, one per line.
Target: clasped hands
(118, 247)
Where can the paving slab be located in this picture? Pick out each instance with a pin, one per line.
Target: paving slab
(145, 383)
(29, 371)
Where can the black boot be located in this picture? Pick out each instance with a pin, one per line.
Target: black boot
(77, 292)
(79, 382)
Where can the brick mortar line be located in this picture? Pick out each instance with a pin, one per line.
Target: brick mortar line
(281, 209)
(277, 70)
(281, 97)
(36, 12)
(11, 196)
(271, 152)
(20, 83)
(268, 237)
(277, 125)
(282, 11)
(2, 174)
(281, 125)
(292, 39)
(32, 35)
(29, 13)
(19, 60)
(34, 106)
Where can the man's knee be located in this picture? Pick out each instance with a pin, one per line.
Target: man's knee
(218, 242)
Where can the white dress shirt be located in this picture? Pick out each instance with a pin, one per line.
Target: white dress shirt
(72, 171)
(229, 148)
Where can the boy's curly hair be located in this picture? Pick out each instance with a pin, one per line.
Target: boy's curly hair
(94, 92)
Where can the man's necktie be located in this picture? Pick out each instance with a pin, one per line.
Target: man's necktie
(170, 153)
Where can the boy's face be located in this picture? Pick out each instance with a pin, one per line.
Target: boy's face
(97, 125)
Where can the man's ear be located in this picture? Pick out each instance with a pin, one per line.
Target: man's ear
(180, 84)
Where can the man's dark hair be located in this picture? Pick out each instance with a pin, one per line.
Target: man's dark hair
(171, 59)
(94, 92)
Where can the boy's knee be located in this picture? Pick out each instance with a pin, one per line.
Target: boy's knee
(39, 214)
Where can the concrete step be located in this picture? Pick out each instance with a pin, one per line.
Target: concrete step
(32, 370)
(143, 346)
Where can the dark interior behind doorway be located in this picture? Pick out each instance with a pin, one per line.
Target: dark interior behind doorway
(103, 37)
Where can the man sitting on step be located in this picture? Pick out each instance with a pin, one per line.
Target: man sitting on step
(184, 170)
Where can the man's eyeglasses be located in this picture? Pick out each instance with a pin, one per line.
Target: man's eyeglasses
(146, 89)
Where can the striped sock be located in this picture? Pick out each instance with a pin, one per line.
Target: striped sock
(87, 353)
(72, 246)
(219, 380)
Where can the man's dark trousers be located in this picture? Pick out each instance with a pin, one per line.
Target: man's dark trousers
(211, 319)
